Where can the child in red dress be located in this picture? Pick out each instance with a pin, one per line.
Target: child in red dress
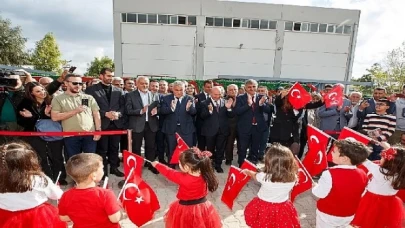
(272, 207)
(192, 210)
(340, 188)
(24, 190)
(380, 207)
(87, 205)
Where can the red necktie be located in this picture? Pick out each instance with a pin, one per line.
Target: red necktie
(253, 109)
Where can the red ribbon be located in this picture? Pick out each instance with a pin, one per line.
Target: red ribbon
(26, 133)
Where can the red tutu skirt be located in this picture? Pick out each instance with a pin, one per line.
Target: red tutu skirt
(43, 216)
(262, 214)
(377, 211)
(202, 215)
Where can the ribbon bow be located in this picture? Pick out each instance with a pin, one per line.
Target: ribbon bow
(389, 154)
(203, 154)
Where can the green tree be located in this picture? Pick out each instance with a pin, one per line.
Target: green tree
(365, 90)
(46, 55)
(395, 67)
(12, 44)
(97, 64)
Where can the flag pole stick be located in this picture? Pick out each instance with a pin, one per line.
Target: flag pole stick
(57, 179)
(305, 170)
(126, 181)
(105, 182)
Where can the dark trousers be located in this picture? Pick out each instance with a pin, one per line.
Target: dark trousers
(78, 144)
(172, 142)
(303, 140)
(230, 141)
(263, 143)
(200, 140)
(149, 137)
(107, 148)
(50, 156)
(376, 153)
(246, 139)
(216, 144)
(161, 145)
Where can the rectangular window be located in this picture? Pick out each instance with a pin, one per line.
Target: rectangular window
(123, 17)
(228, 22)
(163, 19)
(182, 20)
(297, 26)
(331, 28)
(347, 29)
(192, 20)
(173, 20)
(152, 18)
(245, 23)
(219, 21)
(304, 27)
(131, 17)
(314, 27)
(142, 18)
(273, 25)
(236, 23)
(209, 21)
(254, 24)
(288, 25)
(264, 24)
(339, 29)
(322, 27)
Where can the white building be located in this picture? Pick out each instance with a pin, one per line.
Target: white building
(200, 39)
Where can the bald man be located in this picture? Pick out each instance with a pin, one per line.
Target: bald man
(45, 81)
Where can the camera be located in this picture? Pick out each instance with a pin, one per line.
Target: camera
(6, 81)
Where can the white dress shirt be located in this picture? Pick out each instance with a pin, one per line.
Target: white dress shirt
(145, 101)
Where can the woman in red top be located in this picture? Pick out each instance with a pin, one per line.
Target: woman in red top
(195, 179)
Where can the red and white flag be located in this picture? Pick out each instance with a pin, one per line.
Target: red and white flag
(180, 148)
(315, 160)
(298, 96)
(304, 182)
(248, 165)
(234, 184)
(334, 97)
(139, 201)
(132, 160)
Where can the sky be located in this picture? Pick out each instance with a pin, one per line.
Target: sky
(84, 28)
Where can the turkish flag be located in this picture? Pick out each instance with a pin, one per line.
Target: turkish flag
(130, 161)
(334, 97)
(139, 201)
(180, 148)
(315, 160)
(248, 165)
(304, 182)
(312, 87)
(235, 182)
(298, 96)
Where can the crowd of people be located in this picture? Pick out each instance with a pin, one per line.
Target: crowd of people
(214, 120)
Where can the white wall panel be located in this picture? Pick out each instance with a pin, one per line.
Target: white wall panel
(313, 72)
(316, 42)
(315, 59)
(154, 52)
(253, 56)
(213, 69)
(157, 67)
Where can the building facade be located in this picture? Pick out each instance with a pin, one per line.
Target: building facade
(200, 39)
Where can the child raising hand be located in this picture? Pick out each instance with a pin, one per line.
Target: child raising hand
(272, 206)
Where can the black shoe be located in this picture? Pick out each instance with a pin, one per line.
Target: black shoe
(172, 166)
(153, 170)
(147, 165)
(163, 161)
(116, 172)
(219, 170)
(63, 182)
(228, 162)
(121, 184)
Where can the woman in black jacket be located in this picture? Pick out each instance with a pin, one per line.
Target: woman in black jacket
(36, 106)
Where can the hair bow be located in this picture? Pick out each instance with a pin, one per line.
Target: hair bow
(389, 154)
(203, 154)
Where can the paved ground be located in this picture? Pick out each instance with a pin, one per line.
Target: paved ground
(166, 192)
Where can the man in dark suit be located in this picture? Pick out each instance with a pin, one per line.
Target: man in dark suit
(161, 145)
(111, 101)
(215, 112)
(178, 110)
(199, 121)
(251, 124)
(142, 108)
(263, 91)
(231, 93)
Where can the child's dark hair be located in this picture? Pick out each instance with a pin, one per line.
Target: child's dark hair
(385, 101)
(80, 166)
(279, 164)
(395, 168)
(357, 152)
(199, 161)
(18, 164)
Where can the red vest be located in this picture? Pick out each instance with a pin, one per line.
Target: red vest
(347, 187)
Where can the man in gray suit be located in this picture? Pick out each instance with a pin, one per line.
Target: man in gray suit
(142, 108)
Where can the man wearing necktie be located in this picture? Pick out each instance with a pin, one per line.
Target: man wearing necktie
(178, 110)
(262, 90)
(216, 113)
(205, 95)
(251, 124)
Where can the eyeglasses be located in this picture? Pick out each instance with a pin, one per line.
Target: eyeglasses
(380, 104)
(76, 83)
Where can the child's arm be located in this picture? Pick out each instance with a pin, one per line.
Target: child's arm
(64, 218)
(324, 186)
(112, 208)
(116, 217)
(52, 191)
(250, 173)
(171, 174)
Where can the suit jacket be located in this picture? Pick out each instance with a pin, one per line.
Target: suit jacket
(185, 117)
(371, 109)
(331, 116)
(116, 103)
(134, 106)
(216, 121)
(285, 123)
(245, 114)
(201, 98)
